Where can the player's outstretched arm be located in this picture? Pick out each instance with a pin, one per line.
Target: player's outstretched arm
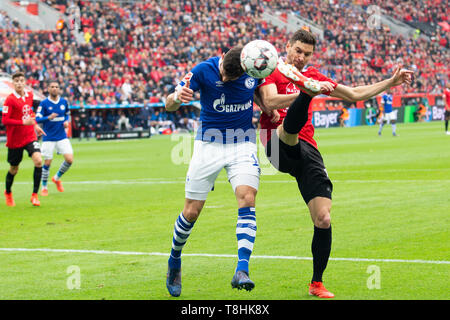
(360, 93)
(272, 100)
(181, 95)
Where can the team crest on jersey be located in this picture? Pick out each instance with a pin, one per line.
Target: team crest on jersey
(5, 109)
(249, 83)
(62, 107)
(26, 109)
(292, 88)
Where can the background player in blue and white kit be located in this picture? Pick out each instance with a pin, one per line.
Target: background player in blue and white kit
(388, 115)
(53, 113)
(225, 139)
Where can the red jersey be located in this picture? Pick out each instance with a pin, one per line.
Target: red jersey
(284, 86)
(15, 110)
(447, 98)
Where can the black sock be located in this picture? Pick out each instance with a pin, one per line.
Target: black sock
(297, 114)
(9, 182)
(321, 248)
(446, 125)
(37, 179)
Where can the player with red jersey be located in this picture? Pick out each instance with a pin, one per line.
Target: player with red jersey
(289, 141)
(446, 97)
(21, 127)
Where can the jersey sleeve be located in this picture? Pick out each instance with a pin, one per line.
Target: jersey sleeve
(40, 113)
(6, 114)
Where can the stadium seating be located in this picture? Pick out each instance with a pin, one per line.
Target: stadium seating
(135, 51)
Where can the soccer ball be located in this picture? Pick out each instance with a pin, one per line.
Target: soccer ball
(259, 58)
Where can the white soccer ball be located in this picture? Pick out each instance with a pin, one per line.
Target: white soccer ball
(259, 58)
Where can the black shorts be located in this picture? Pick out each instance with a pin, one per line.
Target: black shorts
(447, 114)
(304, 163)
(15, 155)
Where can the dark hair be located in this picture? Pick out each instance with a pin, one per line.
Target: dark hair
(18, 74)
(49, 82)
(304, 36)
(231, 63)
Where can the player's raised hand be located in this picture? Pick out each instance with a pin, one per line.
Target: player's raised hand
(402, 76)
(326, 87)
(185, 94)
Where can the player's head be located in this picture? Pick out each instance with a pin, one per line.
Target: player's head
(300, 48)
(231, 69)
(53, 88)
(18, 80)
(448, 84)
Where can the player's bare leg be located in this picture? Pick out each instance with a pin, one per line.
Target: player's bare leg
(245, 233)
(320, 208)
(182, 229)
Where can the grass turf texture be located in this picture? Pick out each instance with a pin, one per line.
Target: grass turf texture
(390, 201)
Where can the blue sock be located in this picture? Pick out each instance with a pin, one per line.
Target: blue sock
(45, 174)
(64, 167)
(182, 230)
(245, 233)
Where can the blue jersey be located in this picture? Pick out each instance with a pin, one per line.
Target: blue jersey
(54, 128)
(387, 102)
(226, 107)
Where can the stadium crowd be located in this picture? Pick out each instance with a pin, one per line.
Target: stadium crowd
(133, 52)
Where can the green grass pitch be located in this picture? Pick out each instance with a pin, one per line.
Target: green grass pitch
(390, 219)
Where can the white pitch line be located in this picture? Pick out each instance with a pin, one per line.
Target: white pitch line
(133, 253)
(157, 182)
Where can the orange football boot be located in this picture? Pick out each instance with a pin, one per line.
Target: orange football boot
(34, 200)
(44, 192)
(296, 77)
(59, 185)
(9, 199)
(317, 289)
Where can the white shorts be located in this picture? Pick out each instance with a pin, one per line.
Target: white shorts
(209, 158)
(61, 146)
(388, 117)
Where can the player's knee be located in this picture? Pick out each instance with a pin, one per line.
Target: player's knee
(191, 213)
(38, 163)
(192, 210)
(247, 199)
(13, 170)
(323, 218)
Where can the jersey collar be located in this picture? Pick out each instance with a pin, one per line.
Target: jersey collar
(18, 96)
(54, 102)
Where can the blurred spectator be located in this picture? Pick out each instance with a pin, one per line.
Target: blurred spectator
(123, 124)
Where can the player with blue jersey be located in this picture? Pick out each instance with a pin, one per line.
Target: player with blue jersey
(389, 116)
(225, 139)
(53, 113)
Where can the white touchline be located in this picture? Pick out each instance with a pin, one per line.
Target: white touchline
(177, 181)
(133, 253)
